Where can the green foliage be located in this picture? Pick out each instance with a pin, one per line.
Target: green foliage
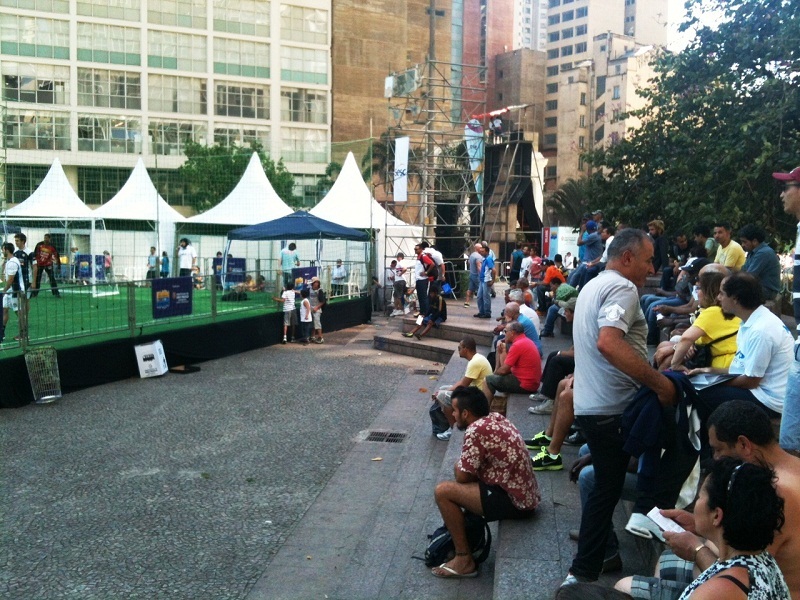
(324, 184)
(722, 116)
(211, 173)
(568, 203)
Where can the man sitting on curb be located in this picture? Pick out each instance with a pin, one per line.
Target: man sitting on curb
(436, 315)
(519, 366)
(565, 297)
(477, 370)
(493, 477)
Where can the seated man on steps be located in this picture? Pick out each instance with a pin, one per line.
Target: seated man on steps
(477, 370)
(436, 315)
(519, 366)
(493, 477)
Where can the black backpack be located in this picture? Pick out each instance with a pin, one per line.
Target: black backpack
(440, 546)
(439, 423)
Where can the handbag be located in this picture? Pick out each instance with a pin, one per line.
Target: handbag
(702, 353)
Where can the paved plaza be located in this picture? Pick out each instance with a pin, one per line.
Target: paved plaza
(182, 486)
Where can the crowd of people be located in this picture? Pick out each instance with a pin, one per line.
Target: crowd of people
(703, 371)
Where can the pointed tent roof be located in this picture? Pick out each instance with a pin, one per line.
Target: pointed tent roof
(53, 198)
(252, 201)
(350, 203)
(138, 200)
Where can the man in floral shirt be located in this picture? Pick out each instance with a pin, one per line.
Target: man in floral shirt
(493, 477)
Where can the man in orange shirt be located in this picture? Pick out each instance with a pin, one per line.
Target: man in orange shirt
(554, 271)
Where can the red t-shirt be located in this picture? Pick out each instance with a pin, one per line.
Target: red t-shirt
(525, 363)
(45, 254)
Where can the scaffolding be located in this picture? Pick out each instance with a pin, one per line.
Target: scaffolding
(464, 183)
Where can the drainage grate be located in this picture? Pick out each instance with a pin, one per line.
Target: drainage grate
(390, 437)
(426, 371)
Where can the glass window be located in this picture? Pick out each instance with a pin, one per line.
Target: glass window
(241, 100)
(552, 71)
(37, 130)
(567, 33)
(583, 98)
(57, 6)
(582, 121)
(566, 67)
(581, 29)
(581, 141)
(553, 19)
(304, 65)
(552, 88)
(302, 24)
(552, 53)
(553, 3)
(551, 121)
(306, 190)
(615, 94)
(169, 93)
(103, 133)
(566, 50)
(550, 172)
(22, 180)
(581, 12)
(40, 84)
(550, 139)
(232, 135)
(108, 44)
(248, 17)
(127, 10)
(183, 13)
(303, 145)
(98, 185)
(553, 36)
(171, 137)
(568, 15)
(241, 57)
(181, 51)
(34, 37)
(114, 89)
(551, 105)
(304, 106)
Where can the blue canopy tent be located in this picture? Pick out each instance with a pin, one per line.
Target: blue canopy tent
(300, 225)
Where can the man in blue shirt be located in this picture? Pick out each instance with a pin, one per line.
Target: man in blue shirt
(487, 280)
(762, 262)
(592, 245)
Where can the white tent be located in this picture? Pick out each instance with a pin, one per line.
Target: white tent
(138, 200)
(350, 203)
(252, 201)
(53, 199)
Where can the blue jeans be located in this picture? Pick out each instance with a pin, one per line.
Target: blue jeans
(790, 421)
(604, 435)
(653, 335)
(550, 321)
(485, 299)
(577, 275)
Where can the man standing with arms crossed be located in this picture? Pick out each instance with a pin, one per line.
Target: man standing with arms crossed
(187, 258)
(487, 276)
(610, 334)
(790, 420)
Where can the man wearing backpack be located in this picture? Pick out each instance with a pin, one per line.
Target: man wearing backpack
(493, 477)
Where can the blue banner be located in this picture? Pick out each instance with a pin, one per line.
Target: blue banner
(235, 271)
(302, 276)
(172, 297)
(84, 269)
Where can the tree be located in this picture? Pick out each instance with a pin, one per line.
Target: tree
(721, 116)
(569, 202)
(211, 173)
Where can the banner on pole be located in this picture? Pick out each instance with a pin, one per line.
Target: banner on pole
(401, 169)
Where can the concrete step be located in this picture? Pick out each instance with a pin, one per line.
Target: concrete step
(455, 329)
(426, 349)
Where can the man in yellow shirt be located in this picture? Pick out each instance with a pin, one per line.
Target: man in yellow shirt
(478, 368)
(729, 253)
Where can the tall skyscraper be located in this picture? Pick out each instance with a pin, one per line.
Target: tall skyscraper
(580, 35)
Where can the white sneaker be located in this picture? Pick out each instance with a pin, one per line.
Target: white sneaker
(538, 397)
(545, 408)
(445, 435)
(644, 527)
(406, 310)
(396, 313)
